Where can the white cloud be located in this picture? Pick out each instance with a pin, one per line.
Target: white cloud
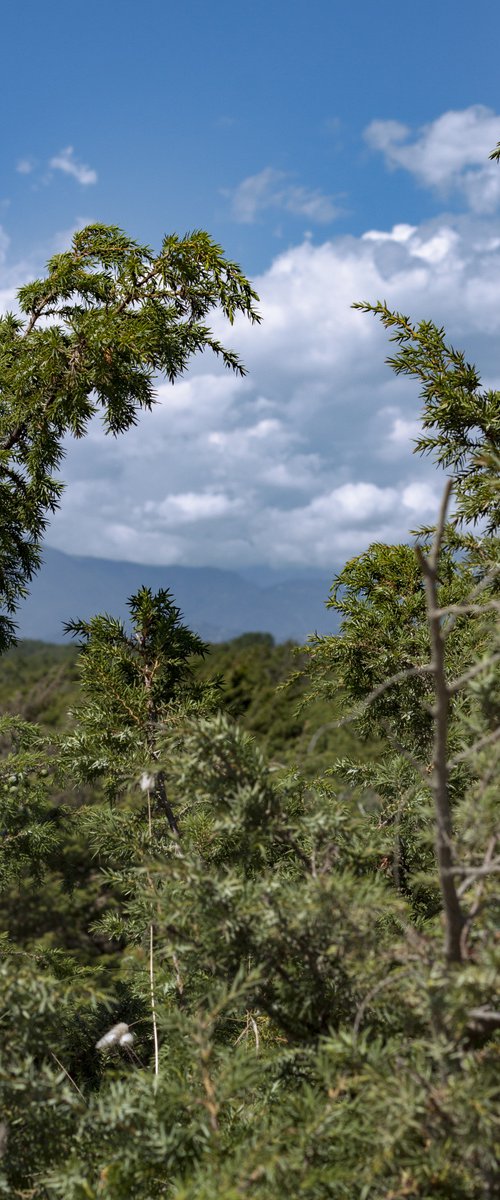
(354, 502)
(398, 233)
(13, 275)
(449, 154)
(25, 166)
(307, 459)
(272, 189)
(402, 430)
(338, 523)
(183, 507)
(65, 161)
(422, 499)
(4, 244)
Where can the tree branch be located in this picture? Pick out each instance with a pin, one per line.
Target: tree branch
(487, 740)
(454, 918)
(485, 663)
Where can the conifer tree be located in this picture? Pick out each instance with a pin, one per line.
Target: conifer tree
(109, 318)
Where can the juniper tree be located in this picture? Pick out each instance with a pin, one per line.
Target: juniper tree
(134, 681)
(398, 603)
(91, 337)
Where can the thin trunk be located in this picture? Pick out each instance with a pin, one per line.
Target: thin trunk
(152, 961)
(153, 1000)
(163, 802)
(161, 799)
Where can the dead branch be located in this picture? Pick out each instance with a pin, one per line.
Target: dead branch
(488, 740)
(453, 916)
(477, 669)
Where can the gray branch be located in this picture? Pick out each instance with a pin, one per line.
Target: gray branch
(453, 915)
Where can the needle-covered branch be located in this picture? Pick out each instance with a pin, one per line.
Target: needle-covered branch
(460, 420)
(109, 317)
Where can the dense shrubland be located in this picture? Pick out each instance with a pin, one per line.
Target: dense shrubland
(276, 970)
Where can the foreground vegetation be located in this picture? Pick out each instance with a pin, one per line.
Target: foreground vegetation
(275, 969)
(40, 683)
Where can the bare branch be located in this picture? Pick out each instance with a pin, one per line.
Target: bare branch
(67, 1074)
(489, 867)
(477, 873)
(160, 795)
(487, 740)
(480, 587)
(438, 536)
(477, 669)
(251, 1023)
(461, 610)
(369, 997)
(454, 918)
(399, 677)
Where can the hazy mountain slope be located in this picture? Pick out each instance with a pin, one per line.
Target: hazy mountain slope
(218, 604)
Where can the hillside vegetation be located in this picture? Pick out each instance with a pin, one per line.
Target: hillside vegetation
(260, 686)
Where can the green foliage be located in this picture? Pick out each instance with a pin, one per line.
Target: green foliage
(39, 682)
(29, 819)
(50, 1014)
(108, 317)
(263, 687)
(311, 1036)
(384, 636)
(131, 683)
(293, 1018)
(460, 421)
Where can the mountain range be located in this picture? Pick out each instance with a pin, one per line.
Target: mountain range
(217, 604)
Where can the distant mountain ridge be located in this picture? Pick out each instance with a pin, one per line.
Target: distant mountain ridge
(218, 604)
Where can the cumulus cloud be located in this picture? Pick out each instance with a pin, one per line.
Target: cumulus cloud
(66, 162)
(309, 458)
(184, 507)
(272, 189)
(338, 523)
(400, 431)
(449, 154)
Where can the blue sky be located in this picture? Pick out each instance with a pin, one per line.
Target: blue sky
(337, 155)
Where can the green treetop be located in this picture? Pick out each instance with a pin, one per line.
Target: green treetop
(109, 317)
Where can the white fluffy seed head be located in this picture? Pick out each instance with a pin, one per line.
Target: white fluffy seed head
(115, 1036)
(146, 782)
(105, 1041)
(126, 1039)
